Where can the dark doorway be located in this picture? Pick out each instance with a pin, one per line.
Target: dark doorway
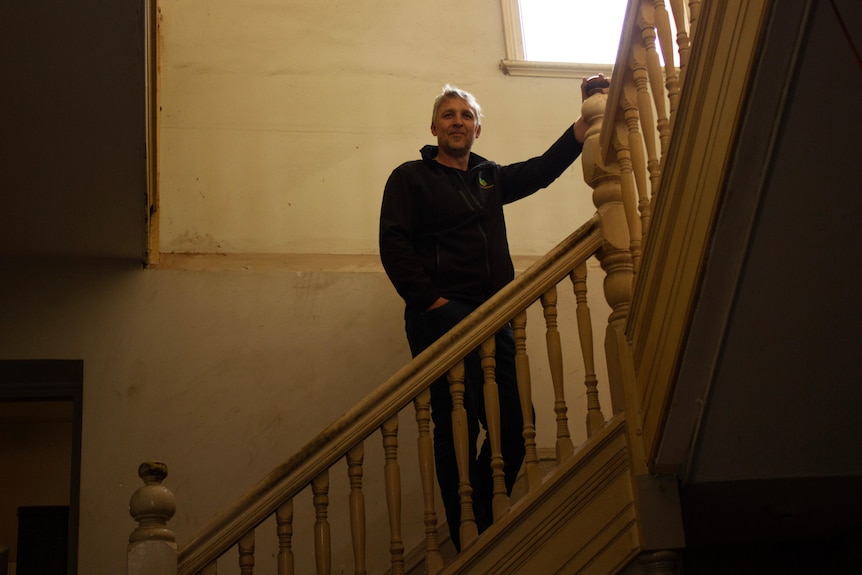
(40, 415)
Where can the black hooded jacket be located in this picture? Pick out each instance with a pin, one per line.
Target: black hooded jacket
(442, 230)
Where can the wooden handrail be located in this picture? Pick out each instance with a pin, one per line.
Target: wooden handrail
(394, 394)
(627, 150)
(620, 69)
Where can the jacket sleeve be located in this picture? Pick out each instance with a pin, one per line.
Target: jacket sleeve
(398, 226)
(524, 178)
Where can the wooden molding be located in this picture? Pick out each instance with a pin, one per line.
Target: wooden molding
(689, 197)
(582, 520)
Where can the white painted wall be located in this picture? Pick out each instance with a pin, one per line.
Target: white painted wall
(282, 120)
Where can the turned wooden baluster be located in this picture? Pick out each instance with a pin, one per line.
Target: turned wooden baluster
(532, 471)
(636, 151)
(392, 475)
(487, 353)
(683, 41)
(322, 539)
(468, 530)
(640, 74)
(646, 23)
(555, 359)
(621, 142)
(284, 531)
(152, 546)
(246, 553)
(665, 36)
(355, 457)
(433, 558)
(594, 419)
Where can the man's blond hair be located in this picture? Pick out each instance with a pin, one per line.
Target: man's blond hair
(449, 92)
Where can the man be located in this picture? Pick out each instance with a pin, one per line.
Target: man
(443, 245)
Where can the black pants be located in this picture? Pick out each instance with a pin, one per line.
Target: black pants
(423, 329)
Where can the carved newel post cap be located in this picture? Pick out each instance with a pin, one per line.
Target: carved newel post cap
(595, 85)
(593, 112)
(152, 505)
(152, 472)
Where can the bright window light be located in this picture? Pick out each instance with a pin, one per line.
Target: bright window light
(584, 31)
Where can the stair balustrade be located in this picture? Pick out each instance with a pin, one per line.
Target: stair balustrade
(629, 135)
(344, 440)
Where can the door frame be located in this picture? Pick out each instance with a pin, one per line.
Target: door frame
(52, 380)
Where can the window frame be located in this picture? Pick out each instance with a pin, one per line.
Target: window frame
(515, 63)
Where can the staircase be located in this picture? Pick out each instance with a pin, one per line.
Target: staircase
(656, 154)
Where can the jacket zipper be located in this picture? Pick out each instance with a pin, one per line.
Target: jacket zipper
(475, 205)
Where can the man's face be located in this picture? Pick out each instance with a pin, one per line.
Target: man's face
(456, 126)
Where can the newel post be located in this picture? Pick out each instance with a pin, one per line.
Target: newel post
(657, 501)
(603, 176)
(152, 546)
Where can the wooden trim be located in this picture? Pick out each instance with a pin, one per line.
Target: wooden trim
(151, 115)
(583, 519)
(246, 262)
(553, 69)
(688, 199)
(778, 60)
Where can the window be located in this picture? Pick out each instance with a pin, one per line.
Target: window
(561, 38)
